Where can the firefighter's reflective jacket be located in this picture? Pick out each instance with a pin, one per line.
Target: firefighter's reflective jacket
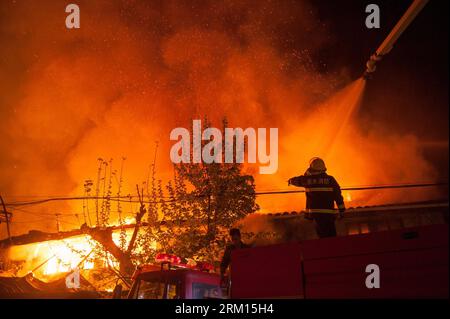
(322, 190)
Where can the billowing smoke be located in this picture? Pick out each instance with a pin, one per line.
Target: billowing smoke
(137, 69)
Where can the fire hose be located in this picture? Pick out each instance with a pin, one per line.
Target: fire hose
(388, 43)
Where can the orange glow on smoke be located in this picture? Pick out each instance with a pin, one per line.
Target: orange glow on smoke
(118, 85)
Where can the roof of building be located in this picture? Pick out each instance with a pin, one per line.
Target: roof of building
(374, 208)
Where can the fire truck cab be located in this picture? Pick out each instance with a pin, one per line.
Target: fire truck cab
(168, 281)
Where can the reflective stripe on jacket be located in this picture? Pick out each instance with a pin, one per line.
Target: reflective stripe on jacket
(322, 191)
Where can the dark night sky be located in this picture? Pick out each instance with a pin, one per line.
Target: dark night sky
(413, 77)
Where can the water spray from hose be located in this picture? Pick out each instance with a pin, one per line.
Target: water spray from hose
(349, 101)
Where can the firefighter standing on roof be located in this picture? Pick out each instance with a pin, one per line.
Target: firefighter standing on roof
(322, 190)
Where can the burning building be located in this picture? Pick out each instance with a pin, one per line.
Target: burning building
(135, 70)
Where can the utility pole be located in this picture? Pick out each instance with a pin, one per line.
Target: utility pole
(6, 218)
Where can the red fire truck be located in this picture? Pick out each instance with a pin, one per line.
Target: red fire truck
(175, 280)
(411, 263)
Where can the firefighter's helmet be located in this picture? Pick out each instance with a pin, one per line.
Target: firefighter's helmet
(317, 164)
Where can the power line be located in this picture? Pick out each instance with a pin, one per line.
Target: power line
(33, 213)
(29, 221)
(50, 217)
(368, 186)
(360, 188)
(129, 198)
(259, 191)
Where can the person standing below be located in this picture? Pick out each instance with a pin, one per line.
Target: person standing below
(322, 191)
(236, 243)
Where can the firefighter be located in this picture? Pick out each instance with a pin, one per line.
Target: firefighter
(322, 190)
(236, 243)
